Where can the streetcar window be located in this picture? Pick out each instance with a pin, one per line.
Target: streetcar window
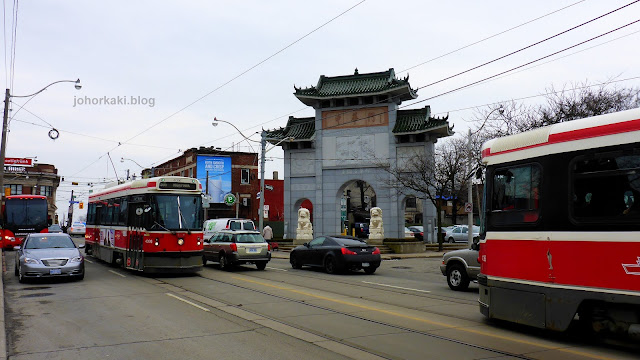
(515, 195)
(122, 217)
(177, 212)
(606, 187)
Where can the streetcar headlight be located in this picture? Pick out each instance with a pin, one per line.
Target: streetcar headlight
(157, 243)
(180, 241)
(30, 261)
(198, 243)
(10, 238)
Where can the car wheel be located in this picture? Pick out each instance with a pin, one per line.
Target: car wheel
(294, 262)
(370, 270)
(261, 265)
(330, 265)
(15, 270)
(222, 260)
(457, 278)
(451, 240)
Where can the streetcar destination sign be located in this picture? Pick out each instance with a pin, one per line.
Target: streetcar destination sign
(177, 185)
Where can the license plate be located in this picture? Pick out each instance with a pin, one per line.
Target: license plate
(253, 250)
(55, 271)
(365, 264)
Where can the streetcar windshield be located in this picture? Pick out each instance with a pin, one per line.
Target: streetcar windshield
(179, 212)
(26, 213)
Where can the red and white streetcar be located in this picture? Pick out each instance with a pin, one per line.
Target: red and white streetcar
(151, 225)
(21, 216)
(561, 232)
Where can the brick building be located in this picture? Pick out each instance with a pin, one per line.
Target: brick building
(220, 172)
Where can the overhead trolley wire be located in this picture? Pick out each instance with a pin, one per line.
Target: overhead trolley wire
(231, 80)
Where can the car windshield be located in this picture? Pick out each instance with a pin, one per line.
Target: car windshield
(49, 242)
(249, 238)
(179, 212)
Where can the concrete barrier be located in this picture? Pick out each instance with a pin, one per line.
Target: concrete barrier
(408, 247)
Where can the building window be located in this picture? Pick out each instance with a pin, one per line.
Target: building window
(244, 176)
(15, 189)
(191, 172)
(45, 190)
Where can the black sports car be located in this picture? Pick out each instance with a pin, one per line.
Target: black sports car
(336, 254)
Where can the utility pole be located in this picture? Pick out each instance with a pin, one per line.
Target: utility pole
(263, 150)
(70, 216)
(3, 147)
(470, 194)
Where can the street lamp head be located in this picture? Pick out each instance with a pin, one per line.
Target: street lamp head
(214, 123)
(78, 86)
(121, 159)
(501, 109)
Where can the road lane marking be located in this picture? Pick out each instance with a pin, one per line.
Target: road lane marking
(188, 302)
(419, 319)
(117, 273)
(396, 287)
(272, 268)
(89, 261)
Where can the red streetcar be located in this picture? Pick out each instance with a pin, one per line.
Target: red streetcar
(22, 215)
(150, 225)
(561, 232)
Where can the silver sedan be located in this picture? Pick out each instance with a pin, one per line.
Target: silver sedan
(48, 255)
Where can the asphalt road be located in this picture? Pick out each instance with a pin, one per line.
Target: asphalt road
(404, 311)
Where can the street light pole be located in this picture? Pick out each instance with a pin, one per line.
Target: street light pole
(5, 120)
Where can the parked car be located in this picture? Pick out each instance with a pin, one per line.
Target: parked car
(45, 255)
(336, 254)
(408, 233)
(236, 247)
(55, 229)
(459, 233)
(418, 232)
(77, 228)
(213, 226)
(460, 267)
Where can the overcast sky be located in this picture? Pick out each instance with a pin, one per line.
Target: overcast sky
(197, 60)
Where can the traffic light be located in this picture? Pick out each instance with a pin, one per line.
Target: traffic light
(81, 205)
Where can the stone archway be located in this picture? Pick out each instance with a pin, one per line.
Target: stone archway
(355, 199)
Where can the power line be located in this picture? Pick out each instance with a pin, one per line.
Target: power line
(490, 37)
(528, 46)
(232, 79)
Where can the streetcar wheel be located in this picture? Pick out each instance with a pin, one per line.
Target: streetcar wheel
(204, 260)
(451, 240)
(330, 265)
(370, 270)
(295, 263)
(457, 278)
(222, 260)
(261, 265)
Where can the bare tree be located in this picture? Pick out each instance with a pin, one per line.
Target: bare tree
(434, 179)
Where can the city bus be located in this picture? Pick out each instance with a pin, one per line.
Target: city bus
(560, 237)
(22, 215)
(148, 225)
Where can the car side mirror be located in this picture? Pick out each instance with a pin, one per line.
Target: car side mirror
(306, 244)
(81, 246)
(16, 248)
(475, 246)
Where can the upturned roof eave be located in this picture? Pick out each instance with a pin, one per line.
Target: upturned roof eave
(443, 129)
(410, 95)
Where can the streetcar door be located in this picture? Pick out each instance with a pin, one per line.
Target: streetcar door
(134, 258)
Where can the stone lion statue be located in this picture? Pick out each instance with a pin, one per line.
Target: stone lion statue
(304, 219)
(304, 232)
(376, 229)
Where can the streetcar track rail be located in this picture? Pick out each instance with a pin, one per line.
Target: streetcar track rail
(338, 312)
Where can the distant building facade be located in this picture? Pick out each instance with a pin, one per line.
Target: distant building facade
(34, 179)
(220, 172)
(333, 160)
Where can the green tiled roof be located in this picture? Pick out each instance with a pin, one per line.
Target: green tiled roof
(298, 128)
(357, 85)
(420, 120)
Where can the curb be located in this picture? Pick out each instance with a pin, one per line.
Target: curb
(3, 332)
